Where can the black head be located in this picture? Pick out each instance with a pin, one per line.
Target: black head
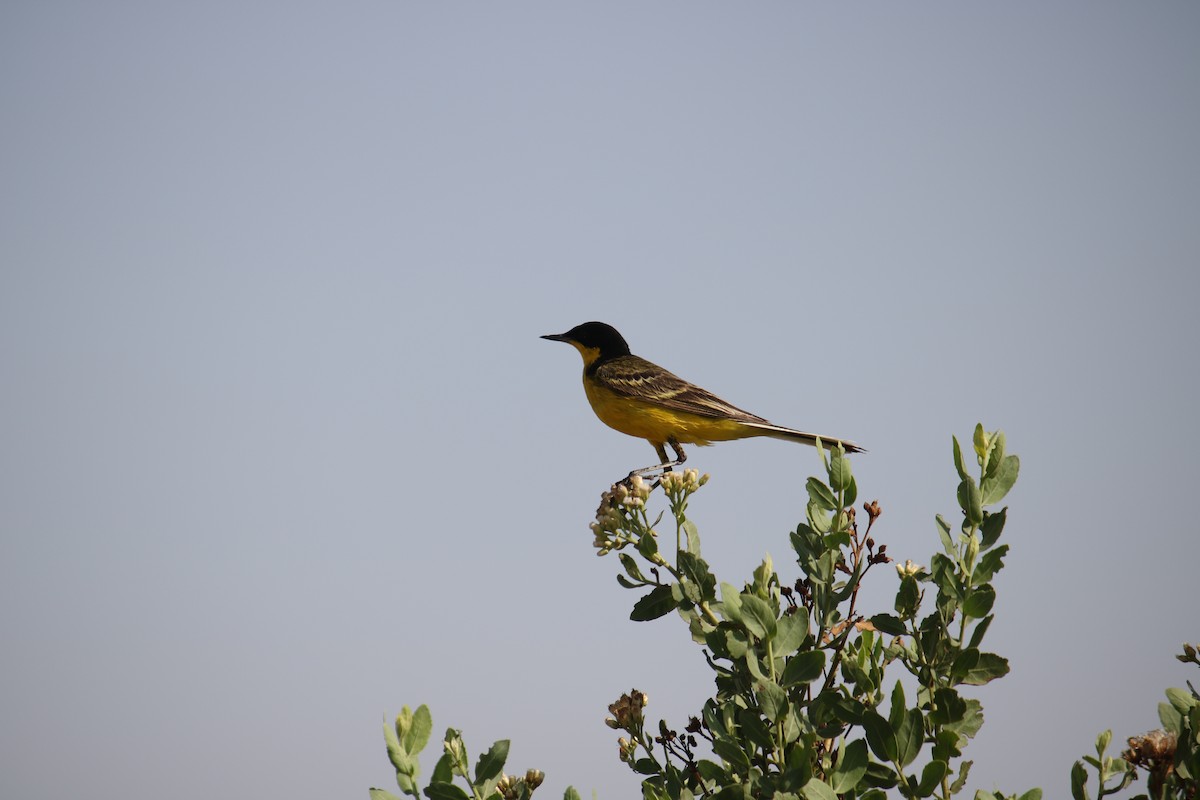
(596, 337)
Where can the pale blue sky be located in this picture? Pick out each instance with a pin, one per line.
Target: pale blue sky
(280, 449)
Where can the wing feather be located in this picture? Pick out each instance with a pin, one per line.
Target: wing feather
(637, 378)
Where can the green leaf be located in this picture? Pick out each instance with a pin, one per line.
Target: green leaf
(840, 475)
(491, 762)
(631, 567)
(1171, 719)
(692, 537)
(948, 707)
(989, 564)
(793, 727)
(418, 734)
(648, 547)
(754, 730)
(946, 744)
(971, 722)
(880, 736)
(1032, 794)
(731, 603)
(896, 706)
(758, 616)
(980, 440)
(719, 719)
(772, 700)
(943, 529)
(931, 776)
(445, 791)
(851, 767)
(646, 766)
(993, 524)
(790, 631)
(443, 770)
(754, 666)
(659, 602)
(381, 794)
(854, 674)
(571, 794)
(979, 602)
(799, 766)
(716, 640)
(971, 553)
(997, 485)
(820, 521)
(1181, 700)
(650, 791)
(908, 597)
(964, 770)
(980, 630)
(711, 771)
(886, 623)
(975, 668)
(851, 493)
(971, 502)
(879, 776)
(764, 574)
(403, 722)
(820, 495)
(818, 790)
(738, 644)
(803, 667)
(685, 594)
(805, 542)
(835, 541)
(959, 465)
(832, 704)
(910, 735)
(995, 452)
(728, 751)
(696, 570)
(395, 752)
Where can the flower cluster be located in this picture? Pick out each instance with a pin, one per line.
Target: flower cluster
(678, 486)
(510, 786)
(1155, 753)
(627, 716)
(621, 515)
(627, 711)
(684, 482)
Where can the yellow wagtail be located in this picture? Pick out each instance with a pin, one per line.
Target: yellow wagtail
(641, 399)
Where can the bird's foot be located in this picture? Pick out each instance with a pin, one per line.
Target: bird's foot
(656, 472)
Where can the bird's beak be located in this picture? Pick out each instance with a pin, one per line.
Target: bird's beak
(556, 337)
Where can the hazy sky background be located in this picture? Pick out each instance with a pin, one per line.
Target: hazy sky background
(280, 450)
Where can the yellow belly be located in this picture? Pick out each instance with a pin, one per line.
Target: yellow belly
(647, 420)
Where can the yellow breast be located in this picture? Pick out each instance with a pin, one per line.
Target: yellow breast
(647, 420)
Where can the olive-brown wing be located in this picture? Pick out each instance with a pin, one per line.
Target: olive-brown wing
(637, 378)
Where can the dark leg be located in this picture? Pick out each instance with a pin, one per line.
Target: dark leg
(665, 465)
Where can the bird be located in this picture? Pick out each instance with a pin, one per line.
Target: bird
(641, 399)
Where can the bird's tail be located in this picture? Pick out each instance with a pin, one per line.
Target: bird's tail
(780, 432)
